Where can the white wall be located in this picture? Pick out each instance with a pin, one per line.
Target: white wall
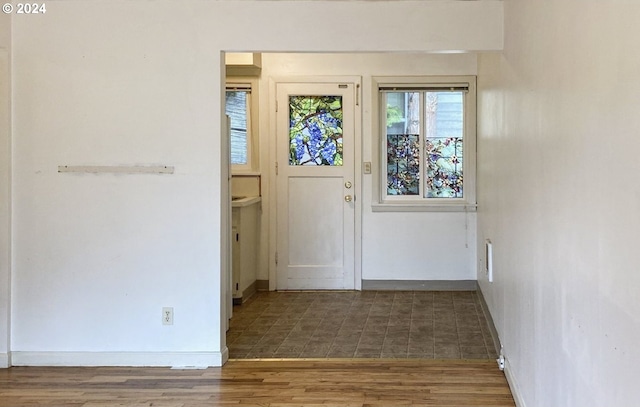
(98, 256)
(138, 82)
(5, 187)
(559, 195)
(395, 246)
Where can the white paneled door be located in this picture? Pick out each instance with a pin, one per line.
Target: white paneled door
(315, 186)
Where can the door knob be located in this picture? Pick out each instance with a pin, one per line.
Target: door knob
(348, 198)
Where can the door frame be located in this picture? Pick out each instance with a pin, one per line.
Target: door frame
(357, 159)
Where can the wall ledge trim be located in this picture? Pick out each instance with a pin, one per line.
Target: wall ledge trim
(129, 359)
(420, 285)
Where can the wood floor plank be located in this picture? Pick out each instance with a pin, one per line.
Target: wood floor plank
(285, 383)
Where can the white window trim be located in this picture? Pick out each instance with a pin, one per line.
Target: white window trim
(381, 202)
(251, 167)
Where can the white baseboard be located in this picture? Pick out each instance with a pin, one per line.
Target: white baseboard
(225, 355)
(489, 318)
(138, 359)
(513, 385)
(5, 360)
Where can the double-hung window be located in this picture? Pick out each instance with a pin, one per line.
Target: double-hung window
(238, 108)
(427, 128)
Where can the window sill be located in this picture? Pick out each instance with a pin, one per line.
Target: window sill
(413, 207)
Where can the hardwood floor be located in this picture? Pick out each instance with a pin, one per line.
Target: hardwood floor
(314, 382)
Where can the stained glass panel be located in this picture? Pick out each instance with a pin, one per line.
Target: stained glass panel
(315, 130)
(403, 164)
(444, 167)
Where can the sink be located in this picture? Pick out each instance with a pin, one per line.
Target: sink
(242, 201)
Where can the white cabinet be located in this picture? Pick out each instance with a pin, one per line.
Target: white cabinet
(245, 224)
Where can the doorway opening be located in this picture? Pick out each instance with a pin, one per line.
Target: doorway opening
(369, 317)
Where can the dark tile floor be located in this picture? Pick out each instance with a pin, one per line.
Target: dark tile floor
(360, 324)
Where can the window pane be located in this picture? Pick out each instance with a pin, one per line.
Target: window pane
(236, 109)
(444, 144)
(403, 164)
(396, 116)
(445, 108)
(444, 168)
(403, 112)
(403, 143)
(315, 130)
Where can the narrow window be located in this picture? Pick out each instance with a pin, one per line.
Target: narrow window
(238, 108)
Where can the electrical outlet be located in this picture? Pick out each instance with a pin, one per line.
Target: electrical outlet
(167, 316)
(367, 167)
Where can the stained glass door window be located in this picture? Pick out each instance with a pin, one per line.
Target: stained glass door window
(315, 130)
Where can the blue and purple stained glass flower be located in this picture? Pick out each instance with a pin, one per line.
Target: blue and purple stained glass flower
(444, 167)
(315, 130)
(403, 164)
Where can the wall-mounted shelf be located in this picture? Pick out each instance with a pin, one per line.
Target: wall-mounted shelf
(118, 169)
